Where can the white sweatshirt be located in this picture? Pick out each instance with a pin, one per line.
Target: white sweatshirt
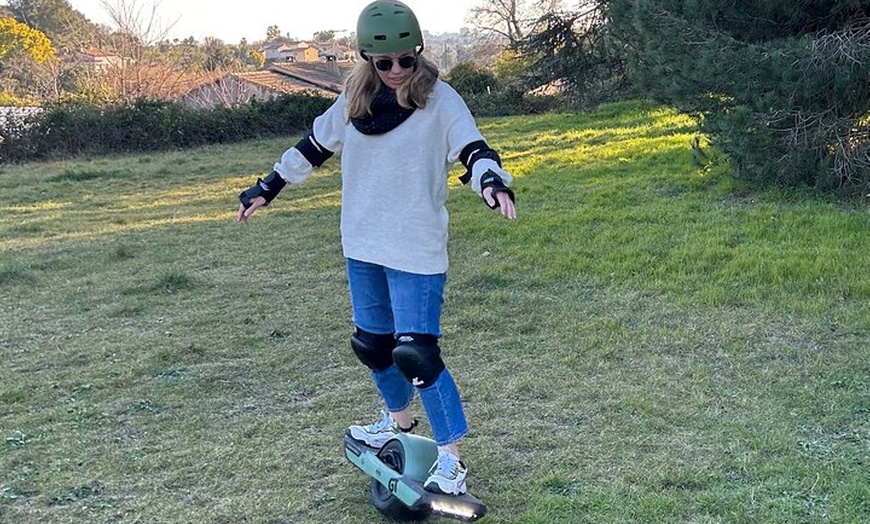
(394, 185)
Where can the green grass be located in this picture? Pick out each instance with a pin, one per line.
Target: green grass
(644, 344)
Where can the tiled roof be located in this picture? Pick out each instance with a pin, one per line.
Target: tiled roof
(98, 53)
(281, 83)
(328, 76)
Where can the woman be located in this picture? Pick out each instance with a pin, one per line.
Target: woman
(399, 129)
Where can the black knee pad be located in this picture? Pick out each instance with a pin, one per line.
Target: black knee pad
(375, 351)
(418, 357)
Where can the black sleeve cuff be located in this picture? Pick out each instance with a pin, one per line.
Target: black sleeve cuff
(474, 152)
(313, 151)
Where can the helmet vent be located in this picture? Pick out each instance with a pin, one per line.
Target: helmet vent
(404, 34)
(380, 37)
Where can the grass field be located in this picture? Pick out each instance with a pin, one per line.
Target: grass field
(646, 343)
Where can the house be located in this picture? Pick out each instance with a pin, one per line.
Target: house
(305, 52)
(337, 52)
(278, 52)
(329, 76)
(322, 79)
(233, 89)
(296, 52)
(98, 59)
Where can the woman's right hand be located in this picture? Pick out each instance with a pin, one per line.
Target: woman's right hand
(256, 203)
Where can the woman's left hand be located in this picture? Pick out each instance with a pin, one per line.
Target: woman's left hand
(505, 204)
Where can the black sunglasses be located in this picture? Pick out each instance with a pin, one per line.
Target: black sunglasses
(406, 62)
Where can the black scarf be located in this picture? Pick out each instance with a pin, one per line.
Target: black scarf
(386, 115)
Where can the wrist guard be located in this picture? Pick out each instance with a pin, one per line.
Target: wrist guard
(493, 180)
(268, 189)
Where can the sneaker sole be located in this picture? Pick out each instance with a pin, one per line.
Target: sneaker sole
(436, 488)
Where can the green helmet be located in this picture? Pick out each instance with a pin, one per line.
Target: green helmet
(387, 26)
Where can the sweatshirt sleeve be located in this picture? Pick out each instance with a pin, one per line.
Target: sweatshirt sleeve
(461, 128)
(328, 132)
(463, 131)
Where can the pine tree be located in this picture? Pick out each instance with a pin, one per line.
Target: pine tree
(781, 86)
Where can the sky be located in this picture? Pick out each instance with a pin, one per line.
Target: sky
(231, 21)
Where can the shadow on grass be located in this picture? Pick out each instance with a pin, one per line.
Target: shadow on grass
(170, 283)
(11, 276)
(83, 176)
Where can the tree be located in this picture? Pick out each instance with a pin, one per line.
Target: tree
(323, 37)
(780, 86)
(273, 33)
(147, 66)
(66, 27)
(218, 56)
(27, 62)
(471, 79)
(18, 38)
(510, 19)
(249, 56)
(575, 51)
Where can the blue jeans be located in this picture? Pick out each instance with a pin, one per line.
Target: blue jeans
(388, 301)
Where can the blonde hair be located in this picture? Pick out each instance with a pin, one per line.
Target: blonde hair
(363, 84)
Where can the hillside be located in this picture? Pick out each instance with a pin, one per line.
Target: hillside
(646, 343)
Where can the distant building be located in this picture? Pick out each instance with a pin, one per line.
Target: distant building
(297, 52)
(327, 76)
(321, 79)
(277, 52)
(335, 52)
(98, 59)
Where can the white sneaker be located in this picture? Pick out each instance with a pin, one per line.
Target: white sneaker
(447, 475)
(377, 434)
